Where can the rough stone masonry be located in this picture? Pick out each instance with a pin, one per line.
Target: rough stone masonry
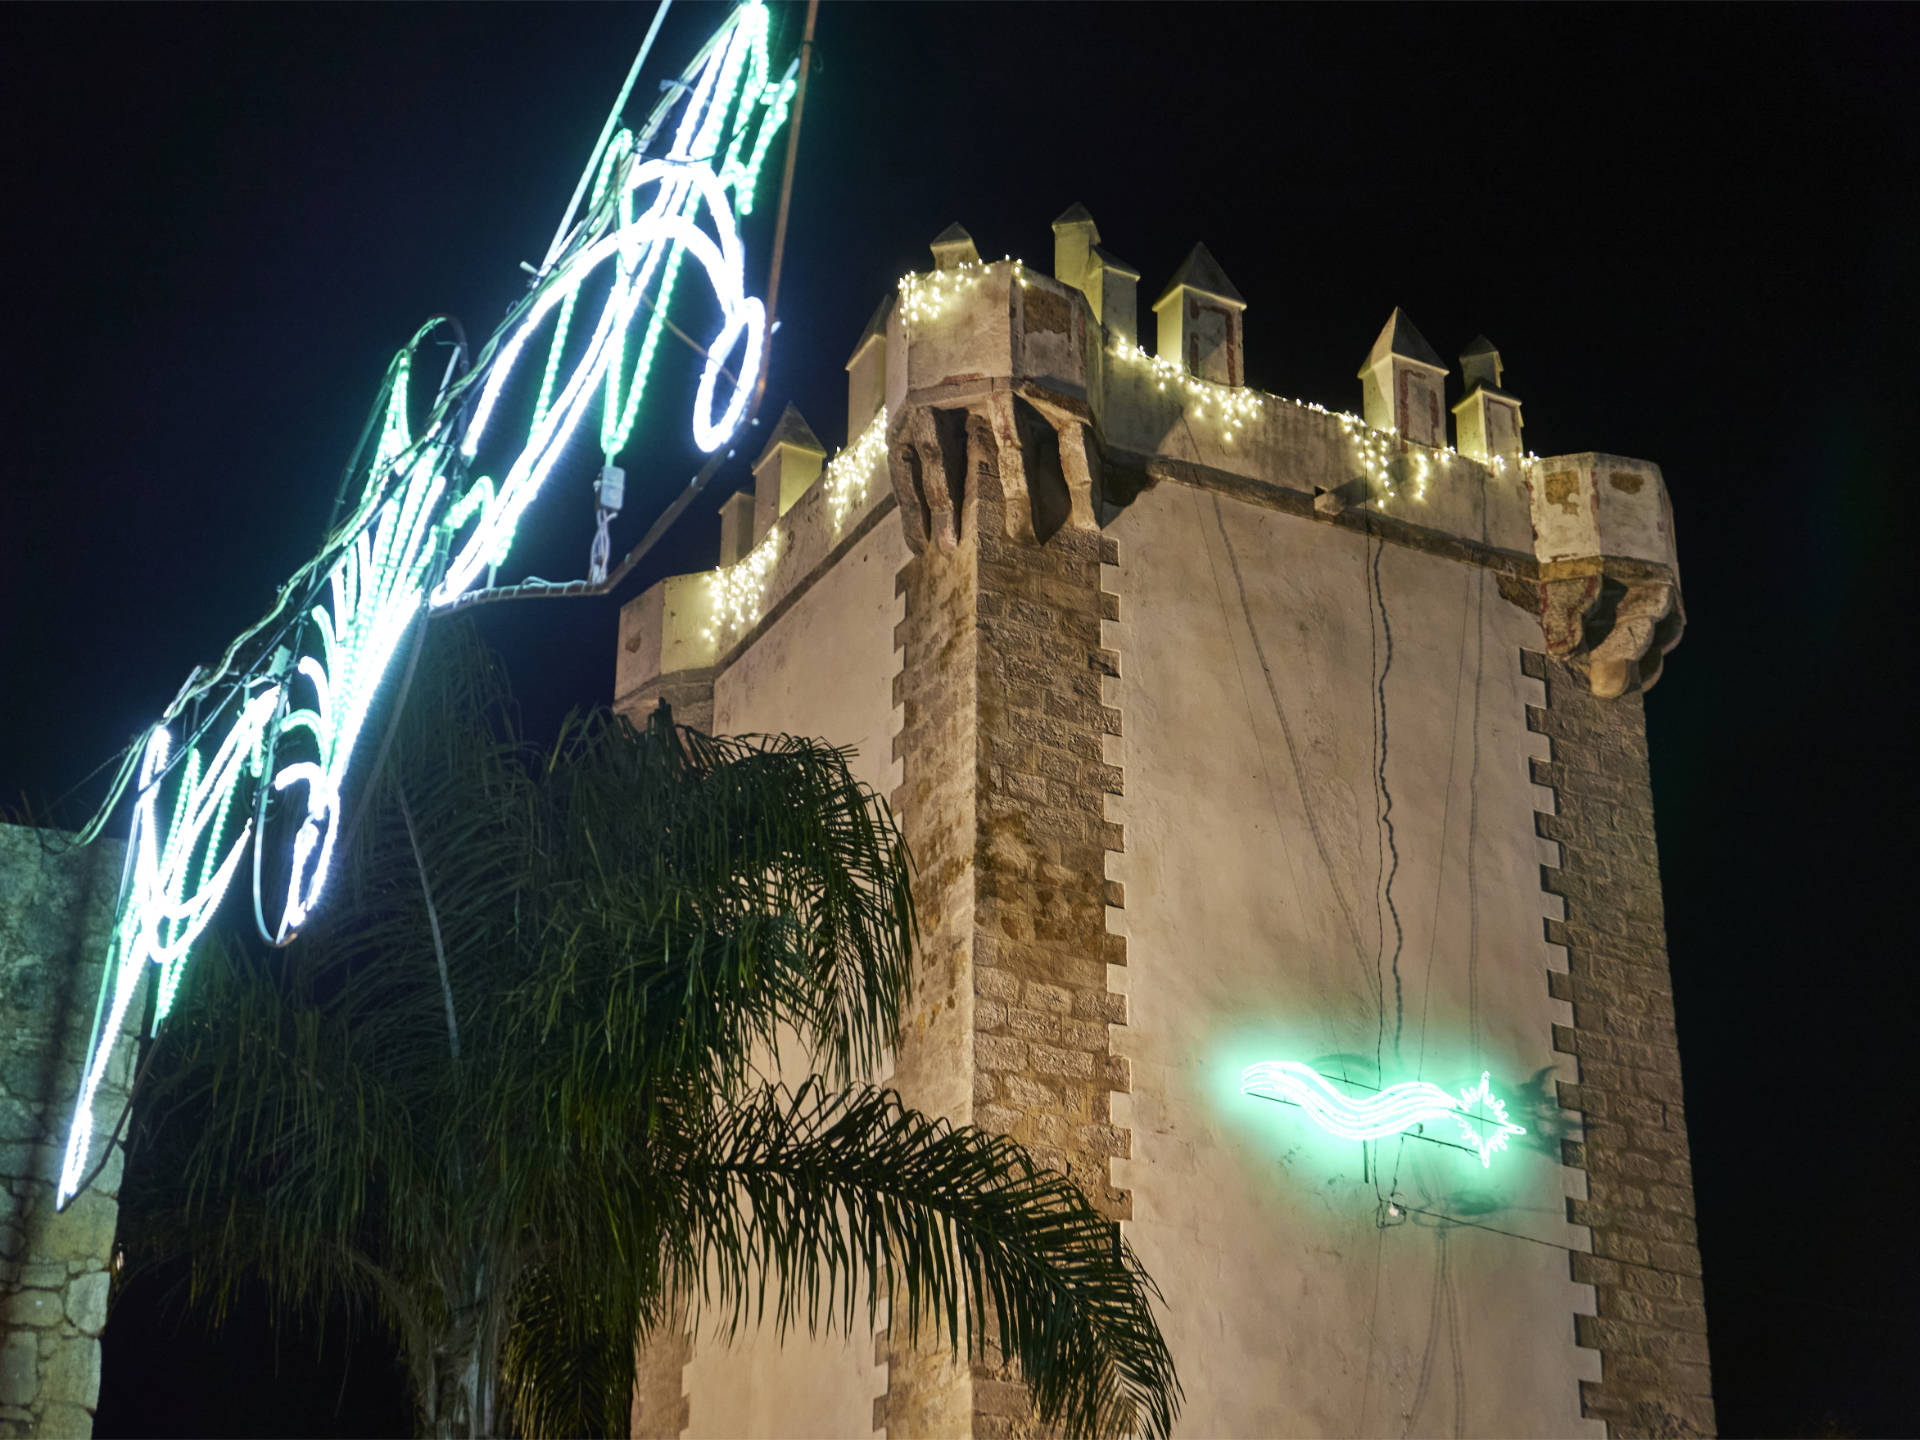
(1651, 1320)
(56, 913)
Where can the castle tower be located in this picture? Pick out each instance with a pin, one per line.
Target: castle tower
(1402, 383)
(1074, 238)
(1199, 777)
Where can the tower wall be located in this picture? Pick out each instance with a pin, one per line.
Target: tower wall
(1218, 736)
(1650, 1320)
(1282, 902)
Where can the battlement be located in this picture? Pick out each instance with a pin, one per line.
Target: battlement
(1591, 534)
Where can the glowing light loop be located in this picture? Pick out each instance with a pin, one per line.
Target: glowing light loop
(421, 533)
(1480, 1114)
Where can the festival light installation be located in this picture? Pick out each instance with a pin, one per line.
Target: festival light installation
(276, 726)
(1480, 1114)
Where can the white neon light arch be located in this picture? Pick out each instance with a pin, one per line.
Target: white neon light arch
(645, 217)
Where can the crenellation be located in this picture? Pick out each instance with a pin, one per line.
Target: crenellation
(1486, 418)
(1403, 384)
(789, 463)
(1200, 321)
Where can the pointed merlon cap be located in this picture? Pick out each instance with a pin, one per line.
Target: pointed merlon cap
(1076, 214)
(1399, 340)
(876, 327)
(1201, 273)
(792, 430)
(953, 247)
(1480, 365)
(1112, 263)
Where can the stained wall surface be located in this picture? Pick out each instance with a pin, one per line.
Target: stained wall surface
(1271, 914)
(823, 669)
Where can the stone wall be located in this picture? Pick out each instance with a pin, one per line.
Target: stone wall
(1651, 1322)
(660, 1410)
(56, 912)
(1003, 793)
(937, 747)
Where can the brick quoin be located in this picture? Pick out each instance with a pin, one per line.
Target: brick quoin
(1650, 1325)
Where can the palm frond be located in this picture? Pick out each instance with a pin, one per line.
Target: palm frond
(834, 1201)
(568, 1363)
(629, 918)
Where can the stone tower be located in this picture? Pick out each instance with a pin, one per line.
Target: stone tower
(1227, 729)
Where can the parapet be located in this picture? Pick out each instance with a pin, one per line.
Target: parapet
(1585, 539)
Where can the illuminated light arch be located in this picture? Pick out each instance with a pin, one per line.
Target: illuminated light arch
(1392, 1111)
(422, 533)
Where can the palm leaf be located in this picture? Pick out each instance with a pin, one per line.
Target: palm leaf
(835, 1201)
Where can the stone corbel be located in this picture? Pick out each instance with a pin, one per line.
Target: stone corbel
(1615, 625)
(1048, 464)
(1644, 624)
(927, 460)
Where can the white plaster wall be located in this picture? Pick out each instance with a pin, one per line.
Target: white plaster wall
(1291, 1310)
(824, 669)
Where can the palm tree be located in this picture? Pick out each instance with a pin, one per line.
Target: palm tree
(507, 1098)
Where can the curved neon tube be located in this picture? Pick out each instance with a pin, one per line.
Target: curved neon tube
(379, 577)
(1386, 1112)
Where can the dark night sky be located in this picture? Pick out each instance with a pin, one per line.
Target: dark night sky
(1689, 230)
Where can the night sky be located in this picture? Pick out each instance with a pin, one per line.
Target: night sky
(1689, 230)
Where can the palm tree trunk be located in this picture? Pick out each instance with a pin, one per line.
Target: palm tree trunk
(466, 1371)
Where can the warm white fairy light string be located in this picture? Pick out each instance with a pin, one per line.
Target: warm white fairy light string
(1234, 406)
(737, 591)
(849, 472)
(928, 295)
(293, 720)
(1230, 405)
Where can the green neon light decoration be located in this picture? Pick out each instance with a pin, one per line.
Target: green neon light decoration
(276, 724)
(1480, 1114)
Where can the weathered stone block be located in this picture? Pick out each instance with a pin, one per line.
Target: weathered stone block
(997, 1052)
(36, 1309)
(72, 1372)
(65, 1422)
(87, 1302)
(19, 1368)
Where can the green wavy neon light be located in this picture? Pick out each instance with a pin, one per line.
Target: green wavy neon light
(1480, 1114)
(278, 720)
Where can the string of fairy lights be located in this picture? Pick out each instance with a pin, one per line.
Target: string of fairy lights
(848, 474)
(736, 591)
(294, 692)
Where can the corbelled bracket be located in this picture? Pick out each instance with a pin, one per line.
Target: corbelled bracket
(1617, 628)
(1046, 458)
(927, 455)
